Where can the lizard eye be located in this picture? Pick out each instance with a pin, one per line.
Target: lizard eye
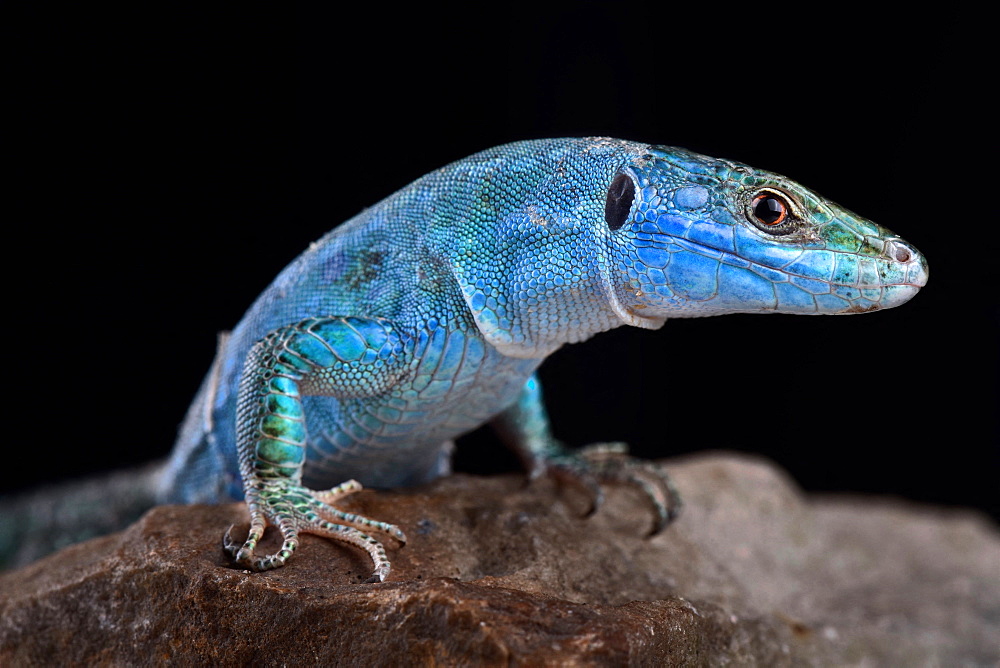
(770, 211)
(621, 193)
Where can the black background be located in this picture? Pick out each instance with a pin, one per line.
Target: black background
(170, 160)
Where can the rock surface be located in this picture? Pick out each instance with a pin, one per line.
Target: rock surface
(495, 572)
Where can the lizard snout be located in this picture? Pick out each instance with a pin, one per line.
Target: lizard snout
(908, 259)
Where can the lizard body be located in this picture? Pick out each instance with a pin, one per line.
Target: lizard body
(427, 315)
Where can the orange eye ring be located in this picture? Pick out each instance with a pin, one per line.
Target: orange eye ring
(769, 209)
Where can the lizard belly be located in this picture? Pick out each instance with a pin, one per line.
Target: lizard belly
(402, 437)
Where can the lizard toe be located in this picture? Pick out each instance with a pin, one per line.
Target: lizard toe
(610, 463)
(295, 510)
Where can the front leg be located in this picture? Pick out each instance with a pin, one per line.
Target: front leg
(334, 356)
(525, 427)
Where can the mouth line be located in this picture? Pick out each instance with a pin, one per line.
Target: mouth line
(867, 287)
(718, 254)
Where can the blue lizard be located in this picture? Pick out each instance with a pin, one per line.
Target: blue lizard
(428, 314)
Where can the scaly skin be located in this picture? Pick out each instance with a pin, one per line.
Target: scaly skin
(427, 315)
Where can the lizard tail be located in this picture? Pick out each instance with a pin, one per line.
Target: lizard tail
(42, 521)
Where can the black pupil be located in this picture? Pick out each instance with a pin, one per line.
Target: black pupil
(619, 203)
(769, 210)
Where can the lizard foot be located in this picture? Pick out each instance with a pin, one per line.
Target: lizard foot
(609, 463)
(295, 509)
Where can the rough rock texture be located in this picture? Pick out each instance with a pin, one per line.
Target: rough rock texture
(499, 573)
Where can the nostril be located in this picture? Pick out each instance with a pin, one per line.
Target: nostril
(898, 251)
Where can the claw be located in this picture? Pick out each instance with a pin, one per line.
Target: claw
(228, 544)
(571, 472)
(295, 509)
(609, 462)
(234, 549)
(658, 487)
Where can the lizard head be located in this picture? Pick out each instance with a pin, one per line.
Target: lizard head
(687, 235)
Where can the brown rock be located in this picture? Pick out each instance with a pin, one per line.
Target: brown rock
(499, 573)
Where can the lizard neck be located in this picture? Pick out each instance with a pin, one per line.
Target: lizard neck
(539, 287)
